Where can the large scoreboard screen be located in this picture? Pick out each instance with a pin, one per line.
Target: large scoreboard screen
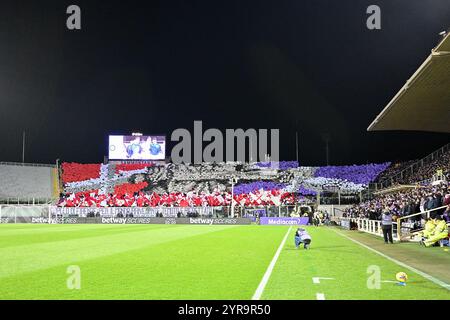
(137, 147)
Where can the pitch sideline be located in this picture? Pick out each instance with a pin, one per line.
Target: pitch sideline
(421, 273)
(259, 291)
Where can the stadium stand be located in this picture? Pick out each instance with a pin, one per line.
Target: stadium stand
(419, 186)
(415, 191)
(27, 181)
(206, 184)
(435, 165)
(404, 203)
(394, 170)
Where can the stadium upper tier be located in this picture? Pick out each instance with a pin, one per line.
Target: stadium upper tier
(414, 171)
(208, 177)
(19, 180)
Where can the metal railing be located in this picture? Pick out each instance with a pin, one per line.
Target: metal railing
(13, 213)
(30, 201)
(372, 226)
(219, 211)
(398, 232)
(425, 214)
(21, 213)
(24, 164)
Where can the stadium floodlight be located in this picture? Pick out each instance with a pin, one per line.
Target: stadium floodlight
(136, 134)
(443, 33)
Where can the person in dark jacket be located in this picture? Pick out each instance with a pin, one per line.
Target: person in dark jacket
(386, 225)
(310, 218)
(429, 202)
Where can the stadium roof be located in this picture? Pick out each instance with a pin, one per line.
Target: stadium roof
(423, 103)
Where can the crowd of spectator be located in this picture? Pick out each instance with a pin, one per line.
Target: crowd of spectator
(402, 173)
(441, 163)
(394, 169)
(210, 184)
(217, 198)
(404, 203)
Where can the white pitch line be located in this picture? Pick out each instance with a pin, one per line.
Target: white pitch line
(320, 296)
(421, 273)
(317, 279)
(265, 279)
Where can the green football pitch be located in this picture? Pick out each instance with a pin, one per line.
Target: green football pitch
(205, 262)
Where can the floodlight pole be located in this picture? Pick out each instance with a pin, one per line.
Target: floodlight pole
(251, 151)
(23, 147)
(58, 177)
(233, 181)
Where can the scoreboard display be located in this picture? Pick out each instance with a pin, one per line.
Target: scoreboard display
(137, 147)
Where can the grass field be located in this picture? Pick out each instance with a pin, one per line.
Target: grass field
(200, 262)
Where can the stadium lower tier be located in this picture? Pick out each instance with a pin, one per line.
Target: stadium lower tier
(190, 199)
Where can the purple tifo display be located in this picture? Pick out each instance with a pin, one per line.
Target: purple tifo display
(284, 221)
(360, 174)
(306, 192)
(258, 185)
(283, 165)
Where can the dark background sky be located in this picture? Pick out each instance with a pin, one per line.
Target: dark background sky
(155, 66)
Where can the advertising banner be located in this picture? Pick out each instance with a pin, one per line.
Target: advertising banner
(137, 220)
(283, 221)
(229, 221)
(137, 212)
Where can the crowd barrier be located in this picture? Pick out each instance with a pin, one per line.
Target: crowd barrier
(129, 220)
(144, 212)
(367, 226)
(408, 225)
(29, 201)
(269, 215)
(404, 229)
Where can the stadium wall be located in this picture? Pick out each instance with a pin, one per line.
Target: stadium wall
(333, 209)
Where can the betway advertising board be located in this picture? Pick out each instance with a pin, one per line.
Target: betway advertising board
(284, 221)
(201, 221)
(139, 220)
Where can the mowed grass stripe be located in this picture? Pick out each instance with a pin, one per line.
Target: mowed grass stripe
(50, 228)
(226, 263)
(32, 257)
(336, 257)
(64, 234)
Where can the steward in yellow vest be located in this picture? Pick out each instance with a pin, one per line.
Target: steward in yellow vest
(440, 232)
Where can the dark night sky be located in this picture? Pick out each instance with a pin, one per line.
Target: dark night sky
(232, 64)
